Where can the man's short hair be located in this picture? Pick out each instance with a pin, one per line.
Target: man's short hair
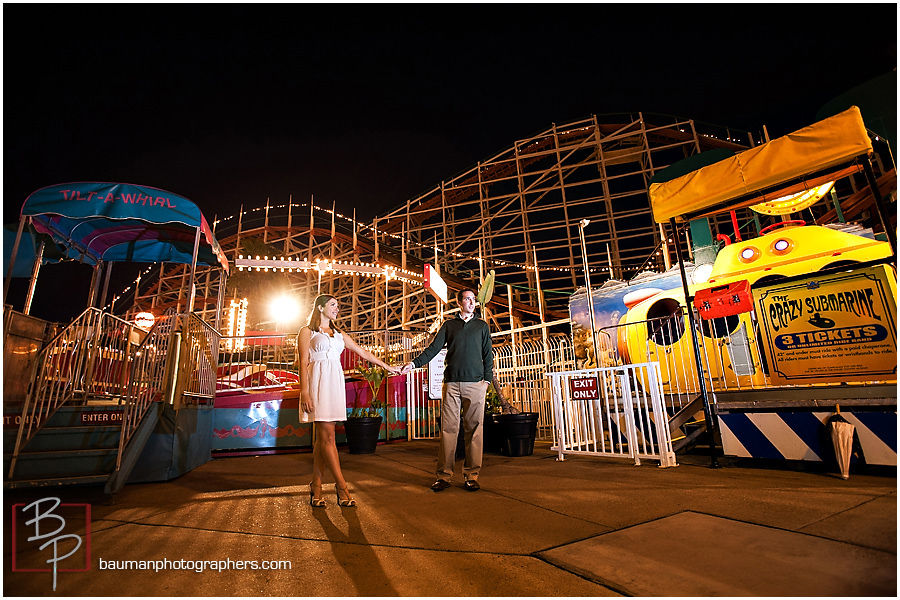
(459, 294)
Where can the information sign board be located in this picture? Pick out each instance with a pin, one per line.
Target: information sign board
(436, 375)
(830, 328)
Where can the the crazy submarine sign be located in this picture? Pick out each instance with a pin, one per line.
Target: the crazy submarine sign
(839, 327)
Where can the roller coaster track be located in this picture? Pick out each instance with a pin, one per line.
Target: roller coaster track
(516, 213)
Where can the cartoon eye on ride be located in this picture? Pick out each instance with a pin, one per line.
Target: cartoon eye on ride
(748, 254)
(781, 246)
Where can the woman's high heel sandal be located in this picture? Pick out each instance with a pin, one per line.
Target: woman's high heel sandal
(341, 502)
(313, 501)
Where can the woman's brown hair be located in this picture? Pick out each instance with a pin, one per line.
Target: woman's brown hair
(315, 317)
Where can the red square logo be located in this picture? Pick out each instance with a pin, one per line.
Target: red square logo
(49, 536)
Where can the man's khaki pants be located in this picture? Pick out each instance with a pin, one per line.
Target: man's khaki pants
(468, 397)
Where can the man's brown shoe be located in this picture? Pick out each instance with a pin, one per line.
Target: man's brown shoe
(440, 485)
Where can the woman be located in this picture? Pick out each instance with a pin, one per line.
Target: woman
(323, 398)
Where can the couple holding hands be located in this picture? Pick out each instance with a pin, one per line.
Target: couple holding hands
(468, 372)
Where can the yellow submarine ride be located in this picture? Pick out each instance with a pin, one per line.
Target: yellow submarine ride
(797, 326)
(654, 329)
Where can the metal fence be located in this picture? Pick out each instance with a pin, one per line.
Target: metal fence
(200, 348)
(396, 347)
(522, 370)
(611, 411)
(422, 412)
(254, 361)
(729, 350)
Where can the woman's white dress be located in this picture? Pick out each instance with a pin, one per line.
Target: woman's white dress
(326, 378)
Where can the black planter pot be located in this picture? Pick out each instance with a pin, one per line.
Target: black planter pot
(492, 437)
(362, 434)
(517, 433)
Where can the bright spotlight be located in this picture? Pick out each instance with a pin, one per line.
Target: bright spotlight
(284, 309)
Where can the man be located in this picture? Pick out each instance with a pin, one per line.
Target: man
(468, 370)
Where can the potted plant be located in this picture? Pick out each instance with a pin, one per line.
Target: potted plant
(492, 441)
(492, 408)
(363, 426)
(516, 432)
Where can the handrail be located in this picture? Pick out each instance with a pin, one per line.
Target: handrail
(99, 355)
(147, 379)
(90, 356)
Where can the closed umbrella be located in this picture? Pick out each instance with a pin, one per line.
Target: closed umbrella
(842, 438)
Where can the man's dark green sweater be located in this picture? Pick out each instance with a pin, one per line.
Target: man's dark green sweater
(470, 356)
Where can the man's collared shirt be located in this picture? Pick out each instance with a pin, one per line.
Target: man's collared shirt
(470, 355)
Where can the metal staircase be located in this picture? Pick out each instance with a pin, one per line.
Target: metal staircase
(93, 400)
(67, 452)
(684, 427)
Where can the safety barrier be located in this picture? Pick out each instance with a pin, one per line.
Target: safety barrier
(402, 346)
(522, 370)
(611, 411)
(88, 359)
(256, 361)
(422, 411)
(269, 361)
(201, 355)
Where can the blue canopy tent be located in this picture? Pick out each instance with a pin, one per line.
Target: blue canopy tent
(101, 223)
(29, 250)
(34, 249)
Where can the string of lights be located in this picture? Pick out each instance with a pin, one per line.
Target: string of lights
(398, 274)
(122, 294)
(323, 266)
(361, 227)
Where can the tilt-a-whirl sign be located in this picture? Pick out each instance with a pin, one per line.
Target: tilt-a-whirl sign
(839, 327)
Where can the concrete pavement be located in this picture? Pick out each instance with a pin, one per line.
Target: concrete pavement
(587, 526)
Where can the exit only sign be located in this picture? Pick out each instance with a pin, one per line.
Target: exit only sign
(584, 388)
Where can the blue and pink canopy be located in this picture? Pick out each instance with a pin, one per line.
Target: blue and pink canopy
(102, 223)
(114, 222)
(29, 250)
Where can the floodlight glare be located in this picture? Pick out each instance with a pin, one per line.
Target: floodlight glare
(284, 309)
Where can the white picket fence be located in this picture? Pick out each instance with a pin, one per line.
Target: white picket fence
(611, 411)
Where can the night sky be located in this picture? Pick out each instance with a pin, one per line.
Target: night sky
(369, 105)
